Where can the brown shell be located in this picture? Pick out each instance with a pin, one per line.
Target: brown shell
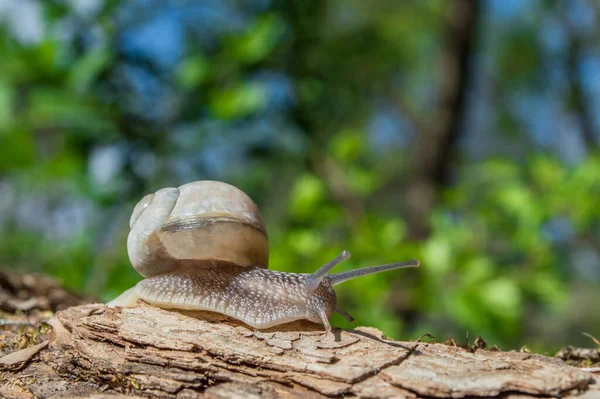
(208, 222)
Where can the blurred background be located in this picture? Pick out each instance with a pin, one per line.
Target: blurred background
(462, 133)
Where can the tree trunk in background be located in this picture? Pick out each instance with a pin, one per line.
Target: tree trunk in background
(437, 136)
(437, 139)
(303, 17)
(576, 98)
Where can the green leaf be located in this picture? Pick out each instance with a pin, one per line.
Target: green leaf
(6, 105)
(237, 102)
(392, 233)
(86, 70)
(348, 145)
(502, 297)
(17, 149)
(307, 194)
(260, 39)
(305, 242)
(437, 255)
(193, 72)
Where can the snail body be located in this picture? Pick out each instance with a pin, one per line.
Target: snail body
(204, 246)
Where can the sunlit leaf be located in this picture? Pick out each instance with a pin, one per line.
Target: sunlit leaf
(193, 71)
(502, 297)
(6, 106)
(86, 70)
(260, 40)
(237, 102)
(306, 196)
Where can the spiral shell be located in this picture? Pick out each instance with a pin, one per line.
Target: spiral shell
(199, 224)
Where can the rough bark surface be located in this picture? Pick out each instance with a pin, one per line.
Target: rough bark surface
(22, 292)
(95, 351)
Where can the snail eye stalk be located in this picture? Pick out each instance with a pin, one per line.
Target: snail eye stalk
(339, 278)
(315, 279)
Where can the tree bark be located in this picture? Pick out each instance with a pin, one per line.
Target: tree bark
(151, 352)
(91, 351)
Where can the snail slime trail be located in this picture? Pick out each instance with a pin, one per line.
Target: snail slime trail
(204, 246)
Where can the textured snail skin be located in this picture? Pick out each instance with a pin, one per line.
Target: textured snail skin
(260, 298)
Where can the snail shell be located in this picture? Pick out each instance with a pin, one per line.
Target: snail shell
(201, 224)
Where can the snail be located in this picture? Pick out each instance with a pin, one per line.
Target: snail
(204, 246)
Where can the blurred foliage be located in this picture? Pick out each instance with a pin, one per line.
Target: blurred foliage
(309, 107)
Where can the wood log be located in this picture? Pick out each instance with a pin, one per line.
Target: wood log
(99, 352)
